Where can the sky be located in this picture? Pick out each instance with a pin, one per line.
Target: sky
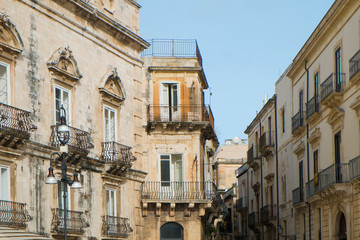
(245, 45)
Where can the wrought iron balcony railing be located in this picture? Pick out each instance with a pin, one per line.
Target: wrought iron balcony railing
(297, 121)
(79, 139)
(354, 64)
(240, 204)
(15, 121)
(253, 153)
(181, 48)
(13, 214)
(180, 113)
(173, 190)
(312, 106)
(115, 152)
(267, 213)
(74, 221)
(266, 140)
(354, 167)
(298, 195)
(253, 219)
(117, 227)
(334, 83)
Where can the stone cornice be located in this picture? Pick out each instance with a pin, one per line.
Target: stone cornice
(270, 103)
(134, 3)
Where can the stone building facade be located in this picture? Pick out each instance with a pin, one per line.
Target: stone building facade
(317, 134)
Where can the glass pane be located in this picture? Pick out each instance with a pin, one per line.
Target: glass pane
(165, 88)
(175, 95)
(3, 84)
(165, 170)
(5, 185)
(177, 161)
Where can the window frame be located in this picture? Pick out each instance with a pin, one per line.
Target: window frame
(171, 166)
(110, 109)
(8, 77)
(68, 111)
(60, 195)
(8, 182)
(108, 190)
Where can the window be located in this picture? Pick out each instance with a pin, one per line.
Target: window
(62, 98)
(4, 82)
(301, 102)
(109, 124)
(4, 183)
(171, 168)
(60, 195)
(338, 172)
(338, 69)
(283, 120)
(316, 162)
(316, 86)
(169, 101)
(110, 198)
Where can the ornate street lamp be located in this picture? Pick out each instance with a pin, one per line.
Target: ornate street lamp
(63, 135)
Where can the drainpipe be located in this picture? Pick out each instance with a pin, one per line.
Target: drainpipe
(277, 171)
(261, 183)
(307, 144)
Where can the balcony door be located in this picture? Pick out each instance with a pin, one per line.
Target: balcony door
(4, 183)
(338, 69)
(60, 203)
(337, 141)
(110, 199)
(4, 82)
(111, 152)
(169, 101)
(171, 175)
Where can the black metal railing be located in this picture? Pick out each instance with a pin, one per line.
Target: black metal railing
(240, 204)
(16, 121)
(267, 213)
(297, 121)
(252, 153)
(177, 190)
(334, 83)
(173, 48)
(354, 167)
(180, 113)
(74, 221)
(312, 106)
(253, 219)
(79, 139)
(354, 64)
(298, 195)
(116, 227)
(266, 139)
(115, 152)
(312, 187)
(13, 214)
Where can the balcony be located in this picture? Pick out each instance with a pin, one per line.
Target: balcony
(253, 157)
(173, 48)
(267, 143)
(15, 126)
(182, 191)
(354, 67)
(74, 221)
(13, 214)
(312, 108)
(354, 167)
(332, 90)
(120, 157)
(298, 196)
(241, 205)
(298, 123)
(332, 177)
(267, 214)
(79, 142)
(116, 227)
(253, 220)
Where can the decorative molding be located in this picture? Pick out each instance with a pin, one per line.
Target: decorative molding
(336, 118)
(63, 64)
(314, 137)
(299, 149)
(10, 39)
(113, 90)
(356, 106)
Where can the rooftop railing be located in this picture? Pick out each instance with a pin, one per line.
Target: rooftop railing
(354, 64)
(116, 152)
(173, 48)
(312, 106)
(180, 113)
(298, 120)
(74, 221)
(177, 190)
(116, 227)
(16, 121)
(13, 214)
(79, 139)
(334, 83)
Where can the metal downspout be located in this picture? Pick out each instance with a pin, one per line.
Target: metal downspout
(307, 144)
(277, 171)
(261, 183)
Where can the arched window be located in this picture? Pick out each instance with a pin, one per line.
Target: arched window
(171, 231)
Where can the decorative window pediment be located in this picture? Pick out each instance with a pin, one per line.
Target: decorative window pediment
(113, 90)
(336, 118)
(299, 149)
(63, 65)
(10, 39)
(314, 138)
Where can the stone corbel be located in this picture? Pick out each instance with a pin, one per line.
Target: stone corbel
(314, 137)
(158, 210)
(144, 210)
(188, 209)
(356, 106)
(172, 209)
(203, 209)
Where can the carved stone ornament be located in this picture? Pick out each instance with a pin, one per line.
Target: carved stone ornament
(63, 63)
(10, 39)
(314, 138)
(336, 118)
(113, 90)
(299, 149)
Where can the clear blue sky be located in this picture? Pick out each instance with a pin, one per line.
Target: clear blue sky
(245, 44)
